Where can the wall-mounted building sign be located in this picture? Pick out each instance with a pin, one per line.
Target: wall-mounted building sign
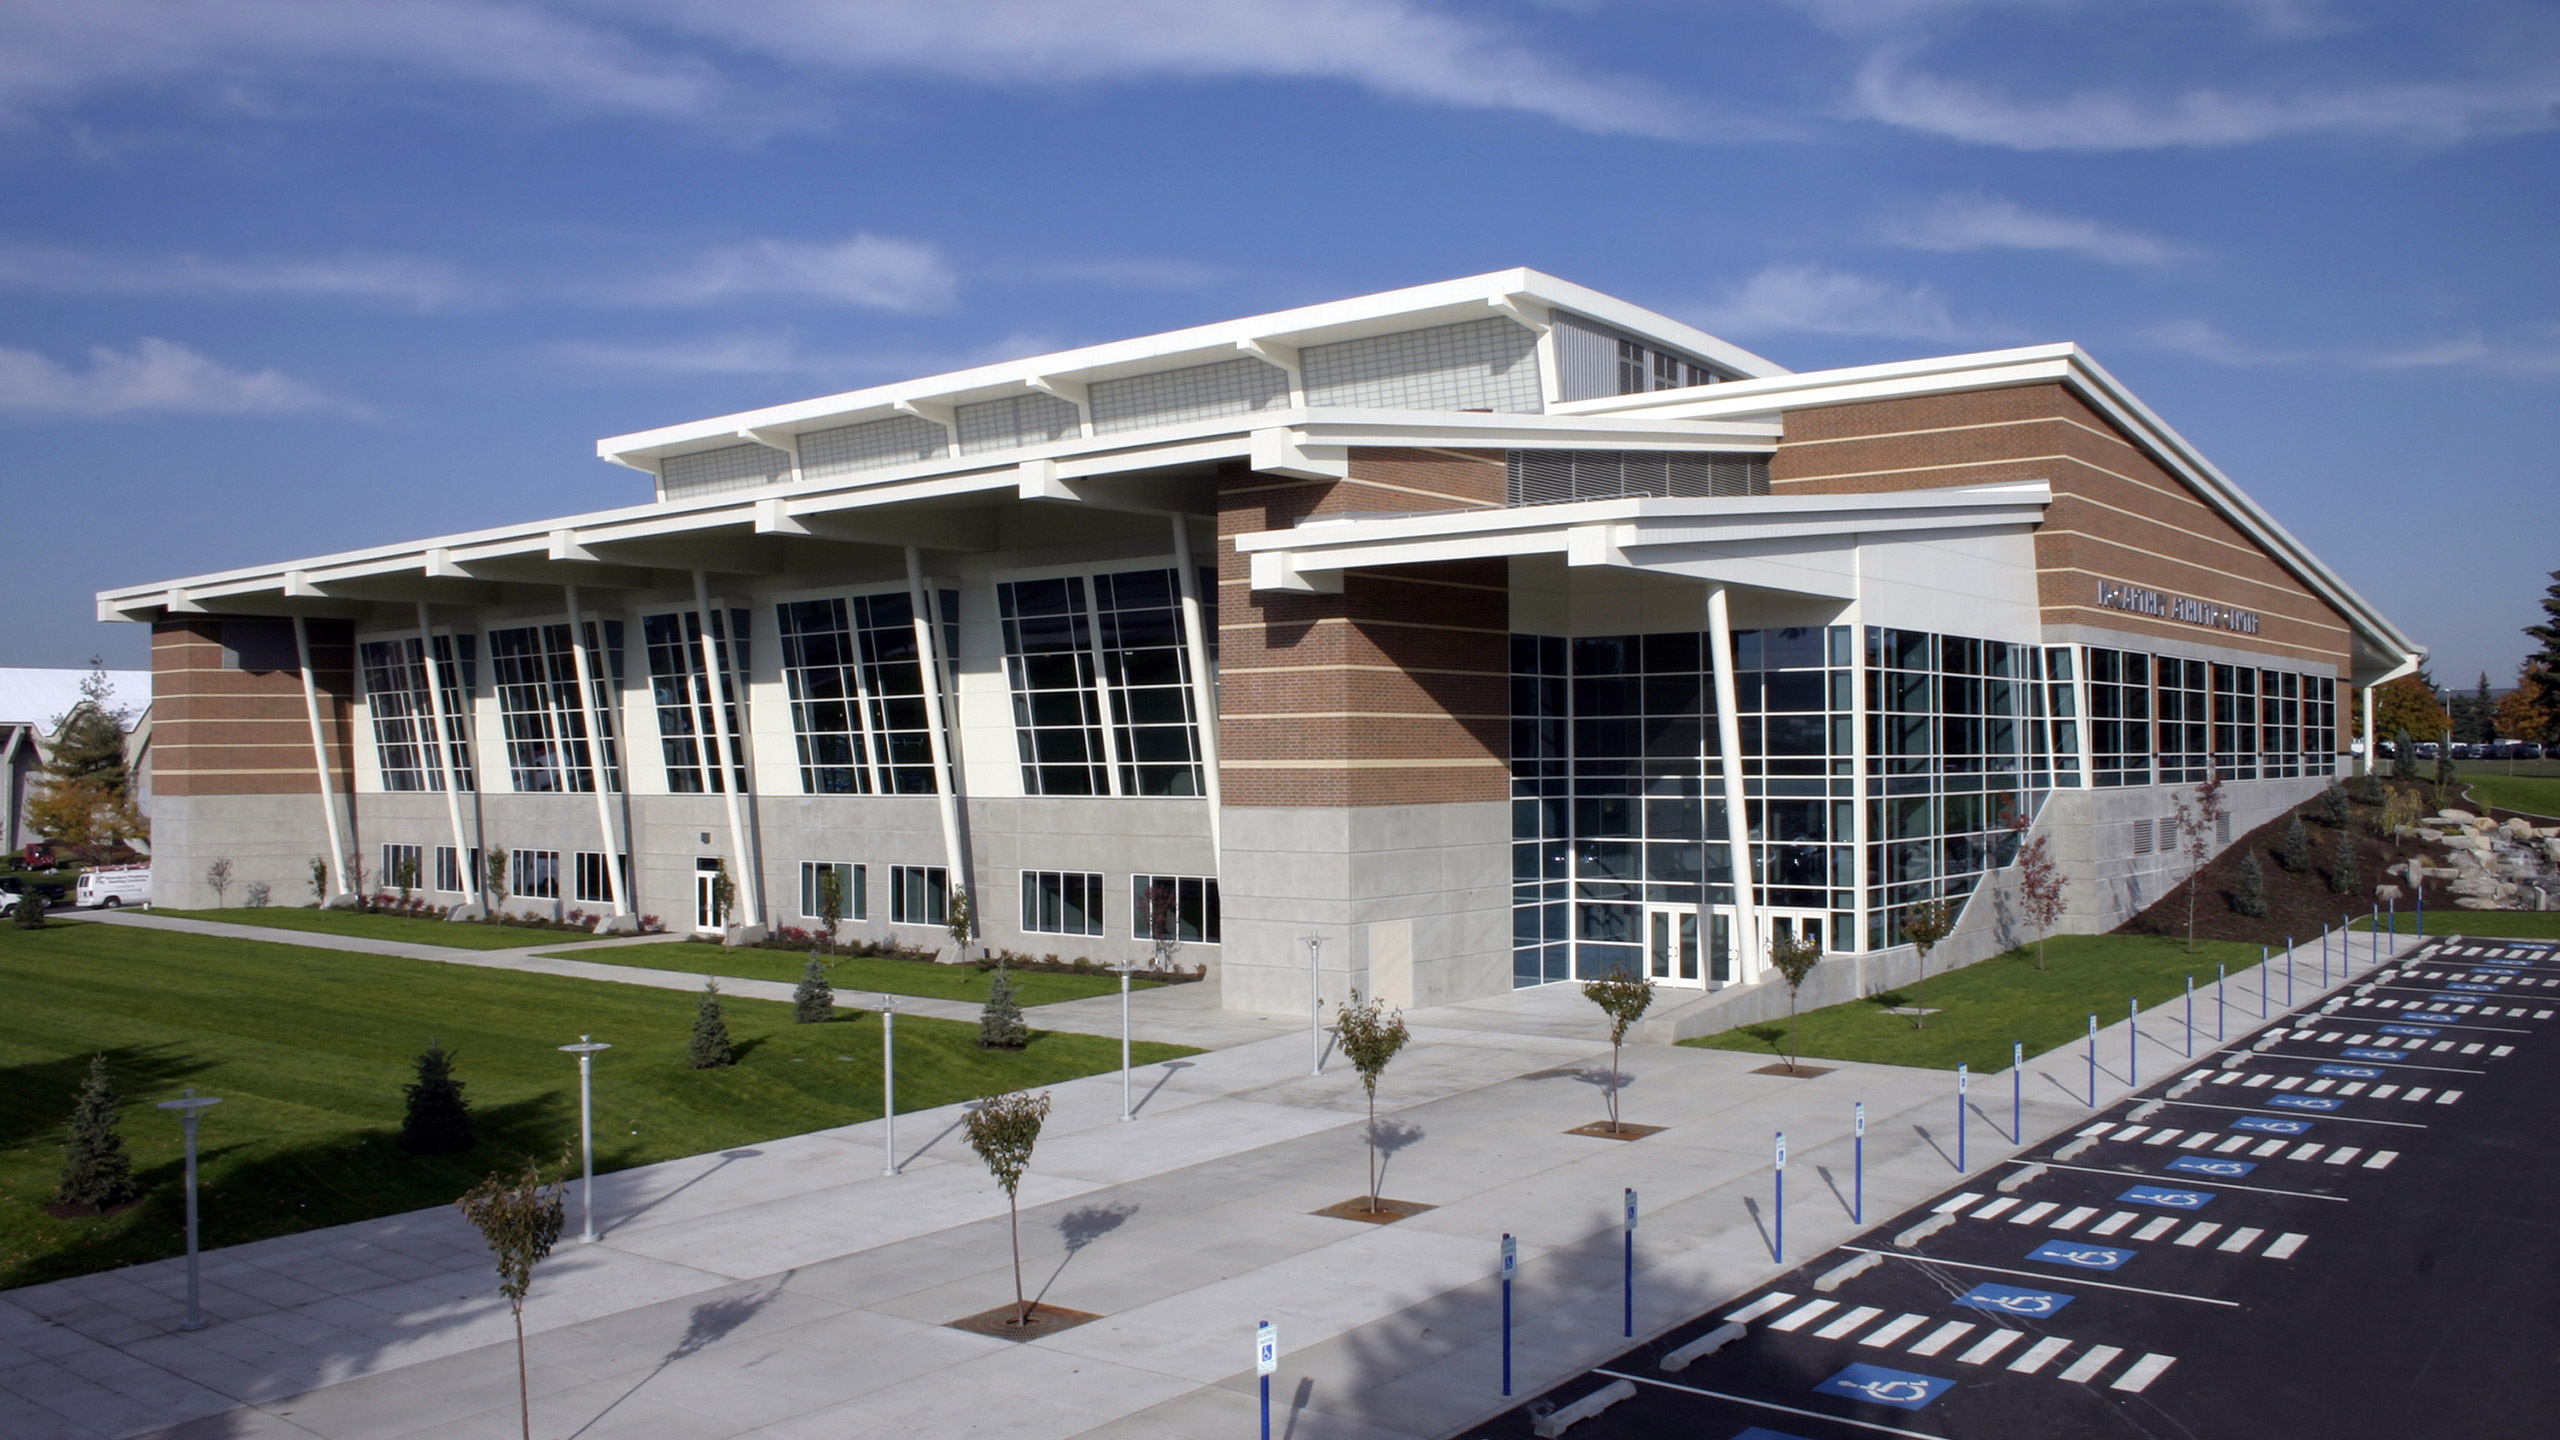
(2176, 607)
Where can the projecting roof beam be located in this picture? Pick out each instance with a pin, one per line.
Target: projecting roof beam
(726, 555)
(962, 530)
(1138, 494)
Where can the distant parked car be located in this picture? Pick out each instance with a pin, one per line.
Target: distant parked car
(13, 886)
(2427, 750)
(2528, 750)
(107, 887)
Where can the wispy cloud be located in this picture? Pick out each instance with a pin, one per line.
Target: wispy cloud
(2471, 351)
(156, 377)
(867, 270)
(386, 279)
(1811, 299)
(1980, 222)
(1888, 89)
(783, 354)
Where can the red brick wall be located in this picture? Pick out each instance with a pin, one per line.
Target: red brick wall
(236, 732)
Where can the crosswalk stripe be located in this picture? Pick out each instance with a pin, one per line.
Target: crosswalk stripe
(2448, 1097)
(1847, 1323)
(2141, 1373)
(2095, 1359)
(2114, 1223)
(2288, 1082)
(2543, 1014)
(2039, 1355)
(1804, 1314)
(2343, 1154)
(2304, 1152)
(2076, 1218)
(2254, 1081)
(1996, 1207)
(2163, 1137)
(2284, 1246)
(2352, 1087)
(2268, 1148)
(2154, 1229)
(1893, 1329)
(2236, 1142)
(2198, 1233)
(2385, 1092)
(2240, 1239)
(1954, 1203)
(2317, 1086)
(1988, 1348)
(2382, 1159)
(2472, 1049)
(2101, 1128)
(2413, 1096)
(2034, 1213)
(1762, 1306)
(2331, 1038)
(2501, 1052)
(2200, 1138)
(2359, 1039)
(2130, 1131)
(1942, 1337)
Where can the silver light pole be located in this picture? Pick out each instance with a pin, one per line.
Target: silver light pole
(585, 1050)
(1315, 1008)
(187, 1105)
(1124, 1044)
(889, 1083)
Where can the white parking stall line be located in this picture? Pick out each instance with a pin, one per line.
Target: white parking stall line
(2501, 1052)
(2141, 1373)
(2285, 1245)
(2254, 1081)
(1988, 1348)
(2094, 1131)
(2155, 1228)
(2076, 1218)
(2130, 1131)
(1774, 1300)
(1848, 1323)
(2235, 1142)
(2268, 1147)
(1894, 1329)
(2114, 1223)
(2344, 1154)
(2305, 1152)
(2196, 1141)
(2095, 1359)
(2317, 1086)
(2448, 1097)
(1954, 1203)
(2288, 1082)
(2004, 1203)
(1804, 1314)
(2240, 1239)
(2352, 1087)
(2198, 1233)
(2034, 1213)
(2039, 1355)
(1942, 1337)
(2415, 1094)
(2382, 1159)
(2385, 1092)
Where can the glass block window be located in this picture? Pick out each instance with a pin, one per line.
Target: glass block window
(534, 874)
(1147, 669)
(872, 445)
(393, 877)
(1049, 660)
(535, 669)
(395, 691)
(1489, 364)
(594, 886)
(1017, 420)
(687, 731)
(919, 895)
(713, 472)
(1197, 392)
(1550, 477)
(1056, 902)
(854, 882)
(1184, 905)
(2184, 726)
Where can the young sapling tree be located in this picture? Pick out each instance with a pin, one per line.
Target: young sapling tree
(1924, 925)
(830, 902)
(1623, 996)
(1371, 1036)
(493, 878)
(217, 878)
(438, 1119)
(813, 1000)
(96, 1171)
(2041, 883)
(1794, 956)
(1003, 1129)
(709, 1047)
(521, 1220)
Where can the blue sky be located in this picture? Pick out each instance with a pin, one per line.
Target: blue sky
(282, 277)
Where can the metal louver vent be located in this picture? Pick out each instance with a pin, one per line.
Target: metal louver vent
(1551, 477)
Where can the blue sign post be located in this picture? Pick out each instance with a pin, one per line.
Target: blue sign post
(1778, 1218)
(2017, 1092)
(1630, 1328)
(2093, 1062)
(1266, 1358)
(1510, 1267)
(1963, 1078)
(1858, 1170)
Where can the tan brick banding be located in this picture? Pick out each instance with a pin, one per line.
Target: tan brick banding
(1394, 692)
(2117, 514)
(217, 731)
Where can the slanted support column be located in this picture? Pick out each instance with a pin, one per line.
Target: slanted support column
(937, 716)
(587, 670)
(1750, 958)
(471, 881)
(1204, 685)
(718, 683)
(9, 789)
(320, 760)
(2372, 742)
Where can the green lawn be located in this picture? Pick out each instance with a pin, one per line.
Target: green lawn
(366, 926)
(309, 1050)
(855, 975)
(1983, 1008)
(2487, 924)
(2532, 794)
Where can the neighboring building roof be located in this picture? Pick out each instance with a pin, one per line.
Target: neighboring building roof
(41, 697)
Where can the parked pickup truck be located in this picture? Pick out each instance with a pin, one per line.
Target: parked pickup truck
(105, 887)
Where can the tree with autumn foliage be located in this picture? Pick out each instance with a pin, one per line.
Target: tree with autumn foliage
(83, 798)
(2040, 882)
(2409, 705)
(2531, 711)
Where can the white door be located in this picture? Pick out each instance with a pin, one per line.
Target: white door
(705, 917)
(1671, 945)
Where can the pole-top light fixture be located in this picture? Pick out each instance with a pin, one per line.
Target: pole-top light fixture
(190, 1102)
(586, 1046)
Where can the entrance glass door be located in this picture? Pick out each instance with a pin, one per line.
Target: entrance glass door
(1671, 944)
(706, 919)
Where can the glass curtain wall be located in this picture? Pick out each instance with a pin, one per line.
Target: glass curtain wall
(536, 673)
(1102, 688)
(856, 682)
(395, 692)
(687, 731)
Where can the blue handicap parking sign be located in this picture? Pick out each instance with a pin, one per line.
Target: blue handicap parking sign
(2207, 1165)
(2087, 1257)
(2352, 1072)
(2367, 1055)
(2410, 1030)
(2010, 1300)
(1899, 1388)
(2165, 1198)
(2270, 1125)
(2304, 1102)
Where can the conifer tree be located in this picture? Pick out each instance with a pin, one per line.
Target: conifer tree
(1000, 1024)
(2371, 792)
(2252, 899)
(2333, 803)
(2297, 846)
(813, 1001)
(2344, 878)
(95, 1168)
(438, 1121)
(710, 1048)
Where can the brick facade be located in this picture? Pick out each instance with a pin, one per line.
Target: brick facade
(223, 731)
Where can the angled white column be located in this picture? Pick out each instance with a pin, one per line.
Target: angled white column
(320, 759)
(1204, 685)
(471, 879)
(1749, 957)
(587, 671)
(929, 666)
(2372, 745)
(718, 683)
(9, 789)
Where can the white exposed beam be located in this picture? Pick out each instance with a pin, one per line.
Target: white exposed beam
(1282, 451)
(1519, 307)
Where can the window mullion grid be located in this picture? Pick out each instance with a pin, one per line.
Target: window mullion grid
(1101, 691)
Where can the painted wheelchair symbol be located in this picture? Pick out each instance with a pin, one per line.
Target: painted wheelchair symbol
(2410, 1030)
(2093, 1259)
(2304, 1102)
(2194, 1166)
(1891, 1392)
(2351, 1072)
(2473, 989)
(2166, 1199)
(2270, 1125)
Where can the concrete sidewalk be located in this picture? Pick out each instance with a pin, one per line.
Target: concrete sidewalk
(791, 1289)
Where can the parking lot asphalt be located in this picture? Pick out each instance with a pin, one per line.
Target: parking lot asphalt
(2340, 1224)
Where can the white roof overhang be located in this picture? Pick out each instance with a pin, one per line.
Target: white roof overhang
(1800, 544)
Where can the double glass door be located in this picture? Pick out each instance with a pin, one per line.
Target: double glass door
(1693, 945)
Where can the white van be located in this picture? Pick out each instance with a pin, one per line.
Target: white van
(107, 886)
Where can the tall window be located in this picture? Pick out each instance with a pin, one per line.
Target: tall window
(2183, 722)
(1148, 669)
(2235, 721)
(1061, 903)
(1057, 716)
(687, 730)
(854, 881)
(858, 709)
(1116, 660)
(919, 895)
(450, 877)
(534, 874)
(2059, 720)
(536, 670)
(395, 689)
(593, 884)
(393, 858)
(1187, 905)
